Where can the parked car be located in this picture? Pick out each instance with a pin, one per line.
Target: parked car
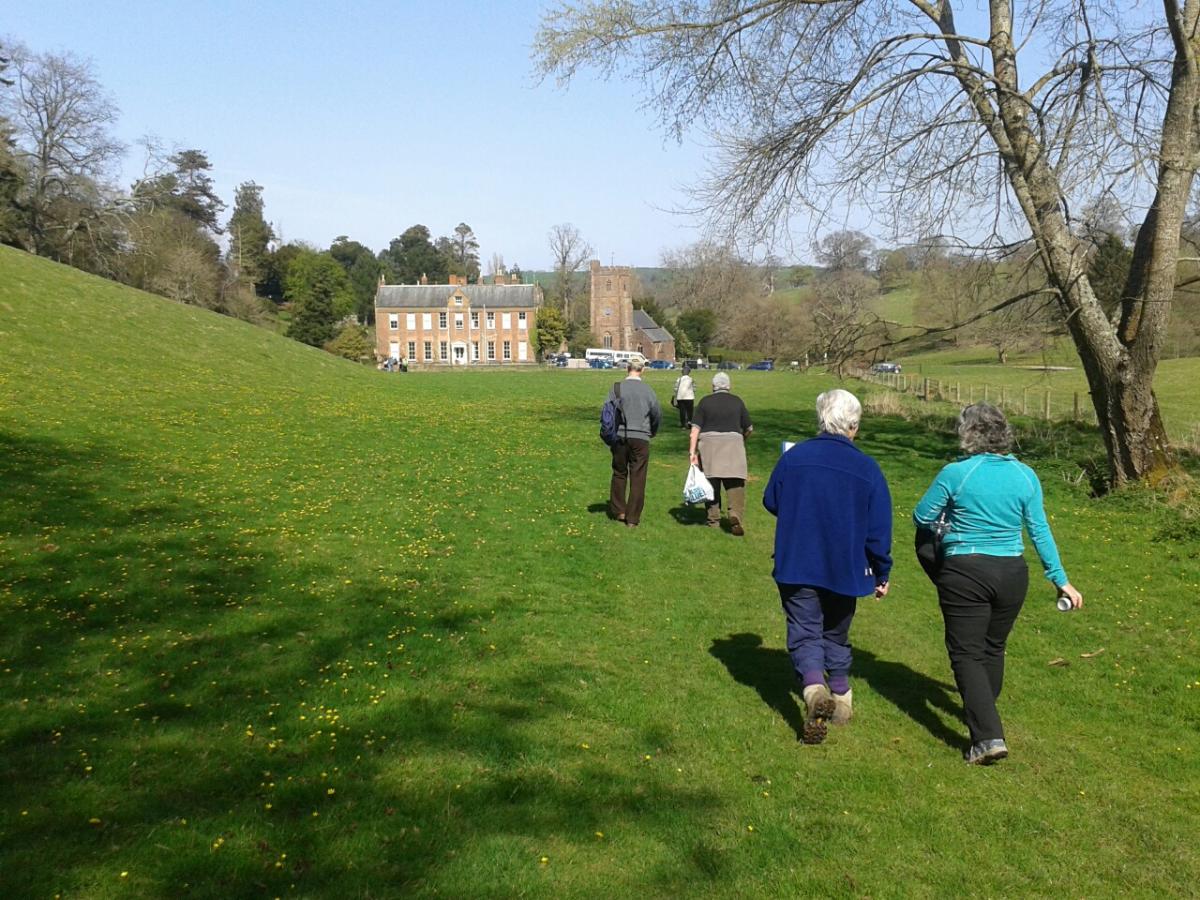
(562, 360)
(600, 363)
(729, 364)
(660, 364)
(885, 368)
(696, 363)
(765, 365)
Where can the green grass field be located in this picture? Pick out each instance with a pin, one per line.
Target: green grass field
(272, 624)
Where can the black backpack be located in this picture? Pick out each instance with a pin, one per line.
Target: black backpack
(612, 417)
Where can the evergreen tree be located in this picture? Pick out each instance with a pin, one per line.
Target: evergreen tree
(250, 235)
(412, 256)
(319, 291)
(1108, 271)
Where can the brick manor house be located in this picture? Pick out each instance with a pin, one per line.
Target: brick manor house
(616, 324)
(457, 324)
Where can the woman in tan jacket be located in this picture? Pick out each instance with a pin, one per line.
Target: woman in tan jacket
(720, 427)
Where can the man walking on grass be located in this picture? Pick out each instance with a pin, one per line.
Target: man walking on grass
(640, 417)
(833, 544)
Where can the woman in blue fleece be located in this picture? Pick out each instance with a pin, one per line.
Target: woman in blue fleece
(988, 496)
(833, 544)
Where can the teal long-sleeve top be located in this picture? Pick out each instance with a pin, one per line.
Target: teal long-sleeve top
(988, 498)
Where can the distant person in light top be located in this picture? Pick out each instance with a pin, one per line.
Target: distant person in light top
(718, 445)
(833, 544)
(988, 496)
(641, 416)
(685, 397)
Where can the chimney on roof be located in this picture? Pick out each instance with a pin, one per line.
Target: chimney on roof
(382, 280)
(514, 278)
(424, 278)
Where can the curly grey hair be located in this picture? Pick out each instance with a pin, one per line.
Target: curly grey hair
(983, 429)
(720, 382)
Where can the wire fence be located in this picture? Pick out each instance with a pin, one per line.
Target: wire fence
(1035, 402)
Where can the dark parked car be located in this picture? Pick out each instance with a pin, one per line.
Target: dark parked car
(729, 365)
(601, 363)
(696, 363)
(660, 364)
(886, 368)
(766, 365)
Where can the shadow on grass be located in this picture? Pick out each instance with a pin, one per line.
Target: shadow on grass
(913, 693)
(769, 672)
(689, 515)
(180, 701)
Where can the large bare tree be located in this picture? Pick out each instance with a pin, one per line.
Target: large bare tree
(569, 251)
(61, 116)
(920, 112)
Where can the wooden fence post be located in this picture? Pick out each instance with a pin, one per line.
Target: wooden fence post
(1024, 401)
(1046, 408)
(926, 398)
(958, 392)
(985, 393)
(1075, 415)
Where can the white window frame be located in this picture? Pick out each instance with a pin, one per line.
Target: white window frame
(474, 318)
(429, 351)
(506, 321)
(475, 350)
(393, 321)
(410, 321)
(522, 351)
(412, 350)
(444, 350)
(491, 320)
(442, 319)
(427, 321)
(522, 323)
(491, 350)
(508, 350)
(458, 321)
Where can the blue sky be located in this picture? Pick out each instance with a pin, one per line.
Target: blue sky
(365, 118)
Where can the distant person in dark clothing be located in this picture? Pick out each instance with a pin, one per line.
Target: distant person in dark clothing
(720, 427)
(641, 416)
(685, 397)
(833, 544)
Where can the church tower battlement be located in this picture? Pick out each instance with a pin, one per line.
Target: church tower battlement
(612, 306)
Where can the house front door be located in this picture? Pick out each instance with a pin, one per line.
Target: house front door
(459, 351)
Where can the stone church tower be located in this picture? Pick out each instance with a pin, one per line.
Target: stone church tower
(612, 306)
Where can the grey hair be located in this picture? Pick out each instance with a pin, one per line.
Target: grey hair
(720, 382)
(983, 429)
(838, 412)
(634, 365)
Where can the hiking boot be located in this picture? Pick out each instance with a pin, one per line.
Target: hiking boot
(843, 708)
(984, 753)
(737, 528)
(820, 706)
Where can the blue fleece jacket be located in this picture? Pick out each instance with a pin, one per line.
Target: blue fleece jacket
(987, 498)
(835, 517)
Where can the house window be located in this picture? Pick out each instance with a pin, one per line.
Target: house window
(412, 349)
(508, 349)
(458, 300)
(506, 321)
(491, 349)
(491, 320)
(474, 319)
(427, 321)
(475, 350)
(444, 350)
(441, 320)
(410, 321)
(394, 350)
(393, 321)
(522, 351)
(458, 321)
(608, 340)
(429, 351)
(521, 322)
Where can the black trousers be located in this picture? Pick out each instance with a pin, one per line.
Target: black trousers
(685, 412)
(980, 597)
(629, 460)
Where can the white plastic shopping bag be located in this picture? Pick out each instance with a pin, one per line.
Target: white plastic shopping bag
(696, 488)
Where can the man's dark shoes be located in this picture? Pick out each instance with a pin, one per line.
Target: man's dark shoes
(984, 753)
(737, 528)
(820, 708)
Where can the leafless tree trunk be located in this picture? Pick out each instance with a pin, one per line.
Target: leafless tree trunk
(824, 101)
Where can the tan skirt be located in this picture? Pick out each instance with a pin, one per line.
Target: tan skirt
(723, 454)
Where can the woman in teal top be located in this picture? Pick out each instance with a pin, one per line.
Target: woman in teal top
(988, 498)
